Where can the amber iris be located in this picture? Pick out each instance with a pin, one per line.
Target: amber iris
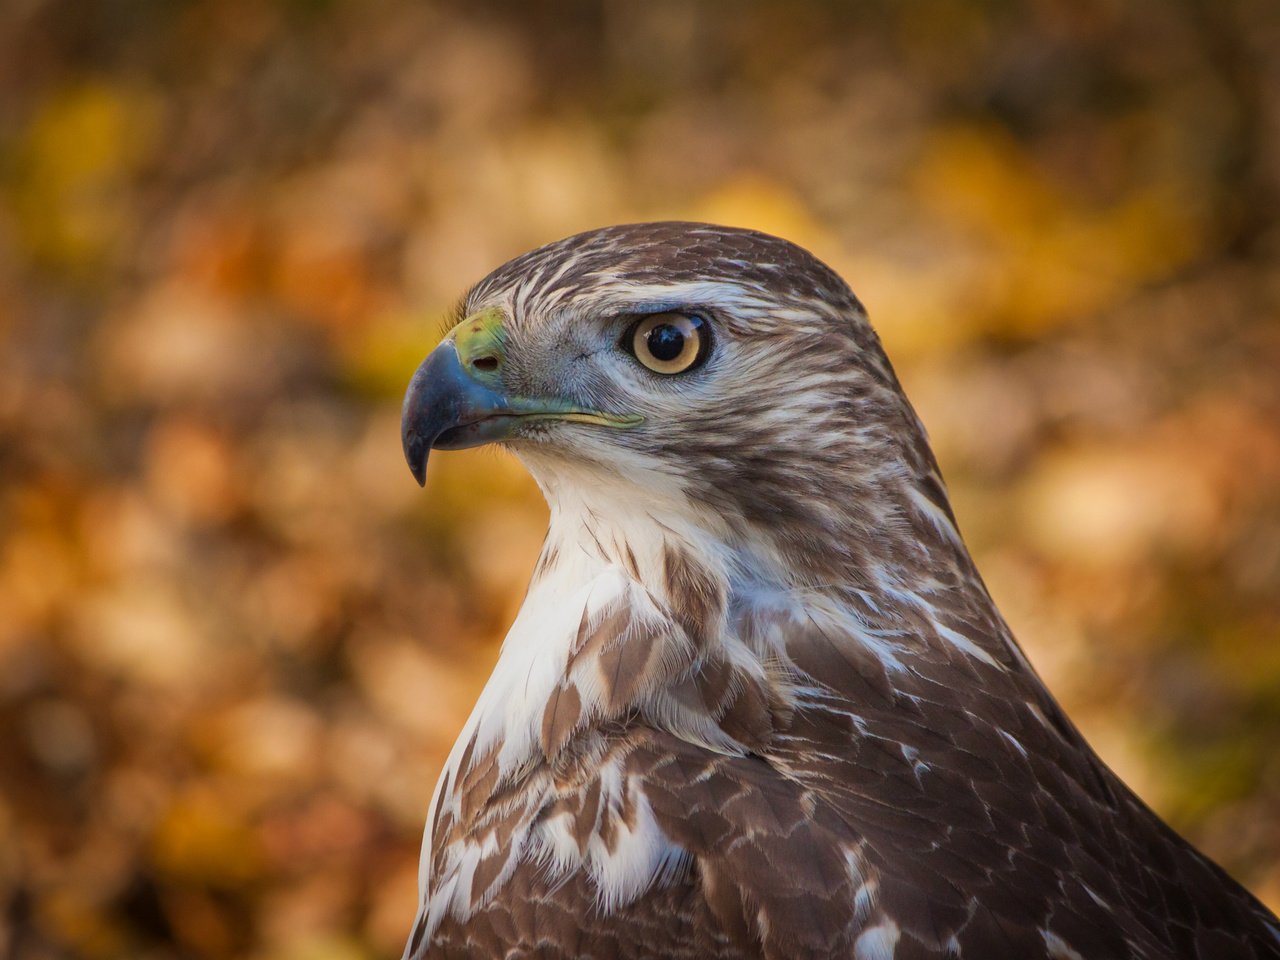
(671, 343)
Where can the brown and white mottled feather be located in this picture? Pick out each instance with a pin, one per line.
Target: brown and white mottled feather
(758, 702)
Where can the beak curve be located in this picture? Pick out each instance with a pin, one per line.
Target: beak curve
(447, 408)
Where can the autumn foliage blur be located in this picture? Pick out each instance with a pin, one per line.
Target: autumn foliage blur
(236, 640)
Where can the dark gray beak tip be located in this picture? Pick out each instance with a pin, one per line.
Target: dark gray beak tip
(416, 451)
(425, 401)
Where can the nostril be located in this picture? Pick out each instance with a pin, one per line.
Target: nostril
(485, 363)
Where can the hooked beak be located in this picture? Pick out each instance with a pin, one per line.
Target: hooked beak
(446, 409)
(456, 400)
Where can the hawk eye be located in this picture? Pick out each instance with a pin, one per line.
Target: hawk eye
(670, 342)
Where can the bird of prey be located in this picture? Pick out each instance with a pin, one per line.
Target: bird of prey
(758, 702)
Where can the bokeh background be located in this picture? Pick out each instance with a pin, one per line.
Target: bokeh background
(236, 640)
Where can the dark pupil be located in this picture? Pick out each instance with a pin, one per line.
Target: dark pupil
(665, 342)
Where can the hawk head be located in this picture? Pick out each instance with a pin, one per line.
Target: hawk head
(712, 377)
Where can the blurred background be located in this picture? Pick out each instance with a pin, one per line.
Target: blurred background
(236, 640)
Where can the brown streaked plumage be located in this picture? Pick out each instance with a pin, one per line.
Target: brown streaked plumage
(758, 702)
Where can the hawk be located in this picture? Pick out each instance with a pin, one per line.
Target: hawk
(758, 702)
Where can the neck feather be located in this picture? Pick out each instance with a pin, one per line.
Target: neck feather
(642, 614)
